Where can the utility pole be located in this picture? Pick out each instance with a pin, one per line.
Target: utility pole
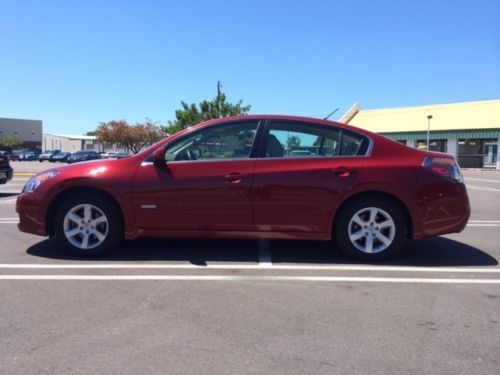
(429, 117)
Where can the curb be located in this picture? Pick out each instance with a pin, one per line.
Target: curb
(24, 174)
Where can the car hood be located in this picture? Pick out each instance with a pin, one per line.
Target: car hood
(90, 168)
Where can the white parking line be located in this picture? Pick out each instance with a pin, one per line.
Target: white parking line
(9, 220)
(483, 223)
(339, 267)
(248, 278)
(8, 201)
(10, 185)
(481, 188)
(481, 179)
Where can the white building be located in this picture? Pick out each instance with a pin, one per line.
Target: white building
(73, 143)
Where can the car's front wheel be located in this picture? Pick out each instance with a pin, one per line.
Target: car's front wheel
(370, 228)
(88, 225)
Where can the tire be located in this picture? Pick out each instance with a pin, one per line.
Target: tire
(357, 234)
(88, 225)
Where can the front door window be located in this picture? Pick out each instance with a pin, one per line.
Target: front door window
(232, 141)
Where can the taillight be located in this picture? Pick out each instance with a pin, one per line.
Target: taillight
(446, 167)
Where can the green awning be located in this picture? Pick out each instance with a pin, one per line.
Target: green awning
(446, 134)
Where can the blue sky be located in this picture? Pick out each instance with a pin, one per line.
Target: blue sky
(73, 64)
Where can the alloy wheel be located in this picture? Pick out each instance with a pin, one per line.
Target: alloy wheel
(85, 226)
(371, 230)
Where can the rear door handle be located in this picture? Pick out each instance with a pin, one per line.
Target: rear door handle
(342, 171)
(233, 177)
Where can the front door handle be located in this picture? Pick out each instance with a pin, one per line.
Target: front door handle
(233, 177)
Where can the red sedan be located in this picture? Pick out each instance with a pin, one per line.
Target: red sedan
(272, 177)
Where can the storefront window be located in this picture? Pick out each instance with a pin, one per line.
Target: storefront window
(476, 153)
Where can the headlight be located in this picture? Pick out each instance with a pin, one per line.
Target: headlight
(36, 181)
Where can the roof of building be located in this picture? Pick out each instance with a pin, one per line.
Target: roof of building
(74, 136)
(455, 116)
(8, 119)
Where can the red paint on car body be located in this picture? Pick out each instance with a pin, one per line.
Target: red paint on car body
(255, 197)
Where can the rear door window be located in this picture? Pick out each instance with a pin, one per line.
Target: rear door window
(293, 139)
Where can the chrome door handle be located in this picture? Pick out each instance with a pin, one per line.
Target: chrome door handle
(233, 177)
(342, 171)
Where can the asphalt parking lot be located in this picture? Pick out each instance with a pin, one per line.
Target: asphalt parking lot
(226, 307)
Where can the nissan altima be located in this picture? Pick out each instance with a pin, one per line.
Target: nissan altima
(270, 177)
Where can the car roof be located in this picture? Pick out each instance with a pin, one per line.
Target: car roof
(229, 119)
(303, 119)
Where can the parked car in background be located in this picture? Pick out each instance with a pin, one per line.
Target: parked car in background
(15, 155)
(47, 155)
(236, 178)
(118, 155)
(82, 156)
(60, 157)
(29, 156)
(5, 168)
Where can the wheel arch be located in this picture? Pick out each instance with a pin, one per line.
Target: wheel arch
(379, 194)
(62, 195)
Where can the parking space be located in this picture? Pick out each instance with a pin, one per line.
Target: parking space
(226, 306)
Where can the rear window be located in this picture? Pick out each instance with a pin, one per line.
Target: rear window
(353, 144)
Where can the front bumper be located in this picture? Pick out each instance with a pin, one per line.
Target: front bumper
(30, 220)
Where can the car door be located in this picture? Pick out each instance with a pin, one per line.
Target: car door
(205, 184)
(301, 171)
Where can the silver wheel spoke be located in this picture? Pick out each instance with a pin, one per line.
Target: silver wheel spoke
(72, 232)
(87, 212)
(356, 236)
(74, 218)
(385, 240)
(385, 224)
(100, 219)
(369, 244)
(85, 242)
(101, 237)
(373, 214)
(357, 219)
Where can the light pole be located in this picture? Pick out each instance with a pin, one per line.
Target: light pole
(429, 117)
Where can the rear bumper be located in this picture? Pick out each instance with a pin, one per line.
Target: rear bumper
(443, 213)
(30, 216)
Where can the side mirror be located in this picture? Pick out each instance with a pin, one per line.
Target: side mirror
(159, 157)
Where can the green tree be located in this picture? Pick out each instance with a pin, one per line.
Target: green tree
(9, 143)
(292, 142)
(192, 114)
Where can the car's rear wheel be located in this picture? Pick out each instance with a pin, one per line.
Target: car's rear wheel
(370, 228)
(88, 225)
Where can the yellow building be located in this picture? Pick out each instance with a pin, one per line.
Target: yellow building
(470, 131)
